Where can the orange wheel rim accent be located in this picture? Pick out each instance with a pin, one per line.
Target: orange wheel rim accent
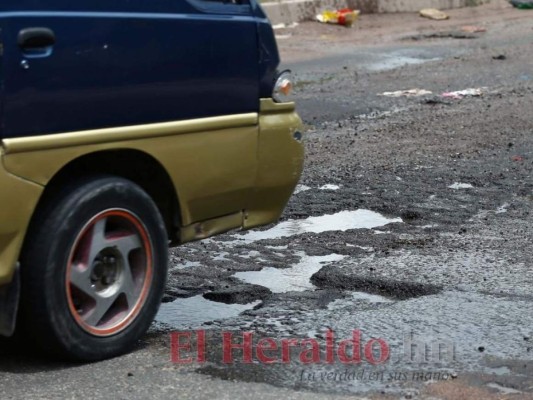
(109, 272)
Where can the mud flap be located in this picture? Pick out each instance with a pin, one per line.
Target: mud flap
(9, 301)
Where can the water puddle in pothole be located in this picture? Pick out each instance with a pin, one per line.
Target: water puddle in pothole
(301, 188)
(294, 279)
(194, 311)
(329, 186)
(305, 188)
(341, 221)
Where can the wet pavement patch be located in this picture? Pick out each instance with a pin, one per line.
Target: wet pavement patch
(335, 277)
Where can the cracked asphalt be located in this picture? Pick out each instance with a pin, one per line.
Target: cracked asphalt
(437, 262)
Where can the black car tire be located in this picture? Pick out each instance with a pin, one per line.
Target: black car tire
(94, 268)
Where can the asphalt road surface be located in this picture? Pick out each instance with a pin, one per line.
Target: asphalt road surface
(407, 247)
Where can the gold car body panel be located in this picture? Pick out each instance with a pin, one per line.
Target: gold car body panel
(211, 161)
(228, 172)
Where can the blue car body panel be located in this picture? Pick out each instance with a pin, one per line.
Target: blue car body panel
(131, 62)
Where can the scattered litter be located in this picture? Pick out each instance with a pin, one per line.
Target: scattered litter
(459, 94)
(281, 37)
(473, 29)
(458, 185)
(522, 4)
(500, 57)
(433, 13)
(407, 93)
(283, 26)
(345, 16)
(517, 158)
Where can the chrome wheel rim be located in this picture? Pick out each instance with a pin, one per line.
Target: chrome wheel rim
(109, 272)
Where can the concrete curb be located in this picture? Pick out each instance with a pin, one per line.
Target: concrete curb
(290, 11)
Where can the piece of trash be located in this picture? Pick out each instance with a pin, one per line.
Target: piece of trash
(407, 93)
(344, 16)
(517, 158)
(473, 29)
(500, 57)
(522, 4)
(433, 13)
(285, 26)
(459, 94)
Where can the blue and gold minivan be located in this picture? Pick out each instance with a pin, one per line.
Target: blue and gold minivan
(128, 126)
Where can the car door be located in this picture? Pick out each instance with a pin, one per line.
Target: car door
(125, 62)
(75, 66)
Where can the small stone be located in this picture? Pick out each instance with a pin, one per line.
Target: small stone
(130, 373)
(481, 349)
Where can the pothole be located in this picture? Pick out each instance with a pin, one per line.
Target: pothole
(334, 278)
